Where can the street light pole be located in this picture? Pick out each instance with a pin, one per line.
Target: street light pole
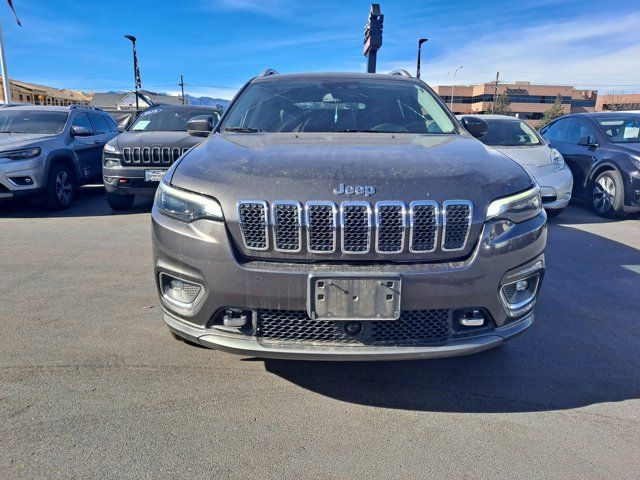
(453, 86)
(136, 71)
(6, 83)
(420, 42)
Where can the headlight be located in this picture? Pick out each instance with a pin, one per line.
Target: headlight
(636, 160)
(517, 208)
(110, 148)
(21, 154)
(186, 206)
(557, 160)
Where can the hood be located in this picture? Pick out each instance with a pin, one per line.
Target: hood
(533, 156)
(309, 166)
(15, 141)
(630, 148)
(155, 139)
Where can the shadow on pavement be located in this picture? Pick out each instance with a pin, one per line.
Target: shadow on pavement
(89, 201)
(582, 349)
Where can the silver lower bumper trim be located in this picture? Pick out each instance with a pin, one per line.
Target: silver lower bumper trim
(249, 346)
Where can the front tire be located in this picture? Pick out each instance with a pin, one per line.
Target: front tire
(120, 202)
(607, 194)
(60, 188)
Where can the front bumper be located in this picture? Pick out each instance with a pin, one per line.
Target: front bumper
(14, 172)
(113, 178)
(202, 253)
(555, 187)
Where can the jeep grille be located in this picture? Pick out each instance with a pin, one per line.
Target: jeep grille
(151, 155)
(359, 229)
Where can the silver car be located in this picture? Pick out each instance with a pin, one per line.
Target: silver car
(517, 140)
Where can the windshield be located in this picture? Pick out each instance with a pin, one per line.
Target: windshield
(337, 106)
(168, 119)
(621, 129)
(509, 133)
(32, 121)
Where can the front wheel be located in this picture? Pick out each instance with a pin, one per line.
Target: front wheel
(607, 194)
(59, 189)
(120, 202)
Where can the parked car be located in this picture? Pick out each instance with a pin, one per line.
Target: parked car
(603, 151)
(46, 152)
(517, 140)
(347, 217)
(135, 161)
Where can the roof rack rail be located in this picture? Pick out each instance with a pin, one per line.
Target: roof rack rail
(401, 72)
(267, 72)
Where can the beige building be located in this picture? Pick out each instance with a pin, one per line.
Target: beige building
(618, 101)
(528, 101)
(24, 92)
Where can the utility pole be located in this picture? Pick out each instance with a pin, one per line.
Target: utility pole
(373, 37)
(495, 93)
(420, 42)
(5, 76)
(182, 89)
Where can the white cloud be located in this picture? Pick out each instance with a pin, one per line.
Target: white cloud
(604, 54)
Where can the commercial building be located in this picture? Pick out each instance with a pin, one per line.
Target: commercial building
(618, 101)
(126, 101)
(528, 101)
(25, 92)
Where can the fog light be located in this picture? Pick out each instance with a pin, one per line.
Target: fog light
(179, 291)
(519, 297)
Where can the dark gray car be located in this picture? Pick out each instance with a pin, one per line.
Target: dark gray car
(46, 152)
(346, 217)
(135, 161)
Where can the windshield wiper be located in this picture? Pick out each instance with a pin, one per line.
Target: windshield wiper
(242, 130)
(356, 130)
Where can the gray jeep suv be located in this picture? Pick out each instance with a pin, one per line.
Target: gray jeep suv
(347, 217)
(46, 152)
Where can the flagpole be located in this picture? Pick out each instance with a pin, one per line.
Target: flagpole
(5, 76)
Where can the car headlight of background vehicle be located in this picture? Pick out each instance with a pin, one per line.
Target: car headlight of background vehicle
(186, 206)
(557, 160)
(110, 149)
(22, 154)
(516, 208)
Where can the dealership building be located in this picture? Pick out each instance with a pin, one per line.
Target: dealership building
(528, 101)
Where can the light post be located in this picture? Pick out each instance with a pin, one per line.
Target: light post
(453, 86)
(136, 70)
(420, 42)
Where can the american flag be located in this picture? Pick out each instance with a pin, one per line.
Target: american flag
(14, 11)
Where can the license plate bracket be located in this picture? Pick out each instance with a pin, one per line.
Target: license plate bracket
(154, 175)
(354, 297)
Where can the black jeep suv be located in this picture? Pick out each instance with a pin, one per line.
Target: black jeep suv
(134, 162)
(603, 151)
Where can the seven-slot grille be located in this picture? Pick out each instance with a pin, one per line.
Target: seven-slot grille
(357, 226)
(151, 155)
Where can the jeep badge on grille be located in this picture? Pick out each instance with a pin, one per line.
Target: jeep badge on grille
(366, 190)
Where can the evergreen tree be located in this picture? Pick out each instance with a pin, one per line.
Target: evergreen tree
(502, 105)
(553, 112)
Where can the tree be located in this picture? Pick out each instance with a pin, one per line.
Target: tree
(554, 111)
(502, 105)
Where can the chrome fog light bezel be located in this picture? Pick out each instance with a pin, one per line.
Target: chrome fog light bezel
(529, 274)
(173, 301)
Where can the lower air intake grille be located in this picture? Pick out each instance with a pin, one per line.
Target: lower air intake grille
(457, 217)
(414, 327)
(253, 222)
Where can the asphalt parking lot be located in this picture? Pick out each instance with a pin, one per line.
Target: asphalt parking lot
(92, 385)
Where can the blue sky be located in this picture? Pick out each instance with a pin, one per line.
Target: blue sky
(218, 44)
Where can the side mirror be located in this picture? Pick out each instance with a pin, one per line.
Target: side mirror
(80, 131)
(588, 141)
(475, 126)
(201, 125)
